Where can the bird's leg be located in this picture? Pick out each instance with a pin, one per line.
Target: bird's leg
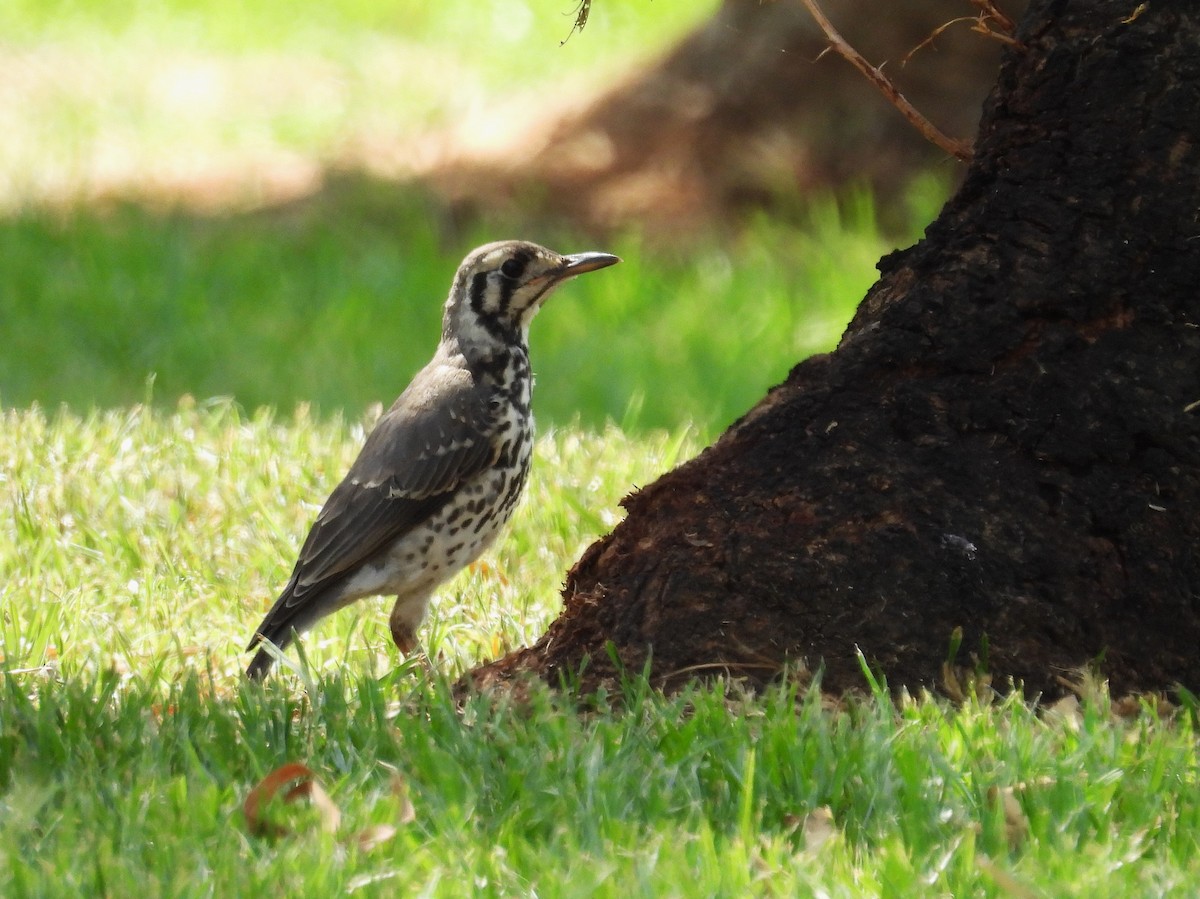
(407, 615)
(405, 619)
(403, 637)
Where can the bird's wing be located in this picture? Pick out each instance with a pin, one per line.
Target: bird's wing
(436, 436)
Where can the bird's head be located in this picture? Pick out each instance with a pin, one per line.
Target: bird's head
(500, 287)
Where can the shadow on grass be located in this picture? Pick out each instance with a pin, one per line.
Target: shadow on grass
(335, 300)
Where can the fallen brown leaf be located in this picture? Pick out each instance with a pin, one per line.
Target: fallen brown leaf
(407, 814)
(1067, 710)
(1016, 825)
(377, 834)
(295, 781)
(818, 828)
(304, 783)
(1007, 883)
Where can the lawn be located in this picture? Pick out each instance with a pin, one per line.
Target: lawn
(338, 306)
(111, 789)
(211, 279)
(195, 194)
(143, 546)
(238, 102)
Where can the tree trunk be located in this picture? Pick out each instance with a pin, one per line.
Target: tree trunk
(1006, 441)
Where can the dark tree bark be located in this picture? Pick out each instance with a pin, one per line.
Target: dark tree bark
(1007, 439)
(745, 113)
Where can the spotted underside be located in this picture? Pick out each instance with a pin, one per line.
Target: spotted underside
(436, 480)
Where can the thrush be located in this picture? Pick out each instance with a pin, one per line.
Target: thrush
(443, 468)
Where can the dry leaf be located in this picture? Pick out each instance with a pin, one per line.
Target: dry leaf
(371, 837)
(1007, 883)
(301, 782)
(1067, 710)
(1016, 825)
(305, 785)
(1087, 684)
(961, 683)
(407, 814)
(817, 828)
(1130, 707)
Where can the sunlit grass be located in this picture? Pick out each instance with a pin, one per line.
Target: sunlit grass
(189, 111)
(138, 550)
(142, 540)
(109, 789)
(141, 544)
(223, 102)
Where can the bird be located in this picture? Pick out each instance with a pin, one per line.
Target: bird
(441, 471)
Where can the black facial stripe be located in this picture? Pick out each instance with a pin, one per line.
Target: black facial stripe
(507, 287)
(490, 321)
(478, 290)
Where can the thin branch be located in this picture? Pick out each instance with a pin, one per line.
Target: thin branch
(980, 24)
(934, 35)
(958, 149)
(989, 10)
(983, 27)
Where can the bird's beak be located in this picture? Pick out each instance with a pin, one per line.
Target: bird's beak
(579, 263)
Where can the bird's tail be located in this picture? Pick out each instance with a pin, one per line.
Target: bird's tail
(263, 660)
(259, 665)
(280, 626)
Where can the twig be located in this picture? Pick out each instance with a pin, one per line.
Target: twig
(933, 35)
(989, 14)
(581, 20)
(958, 149)
(981, 24)
(990, 11)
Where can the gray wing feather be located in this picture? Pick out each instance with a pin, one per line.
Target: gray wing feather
(437, 435)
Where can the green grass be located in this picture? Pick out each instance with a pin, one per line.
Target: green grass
(139, 548)
(339, 304)
(199, 94)
(140, 544)
(112, 788)
(139, 539)
(187, 112)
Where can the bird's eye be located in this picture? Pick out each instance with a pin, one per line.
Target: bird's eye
(512, 268)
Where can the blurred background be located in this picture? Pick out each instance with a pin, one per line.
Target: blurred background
(266, 200)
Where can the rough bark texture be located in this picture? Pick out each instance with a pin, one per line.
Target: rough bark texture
(744, 112)
(1007, 439)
